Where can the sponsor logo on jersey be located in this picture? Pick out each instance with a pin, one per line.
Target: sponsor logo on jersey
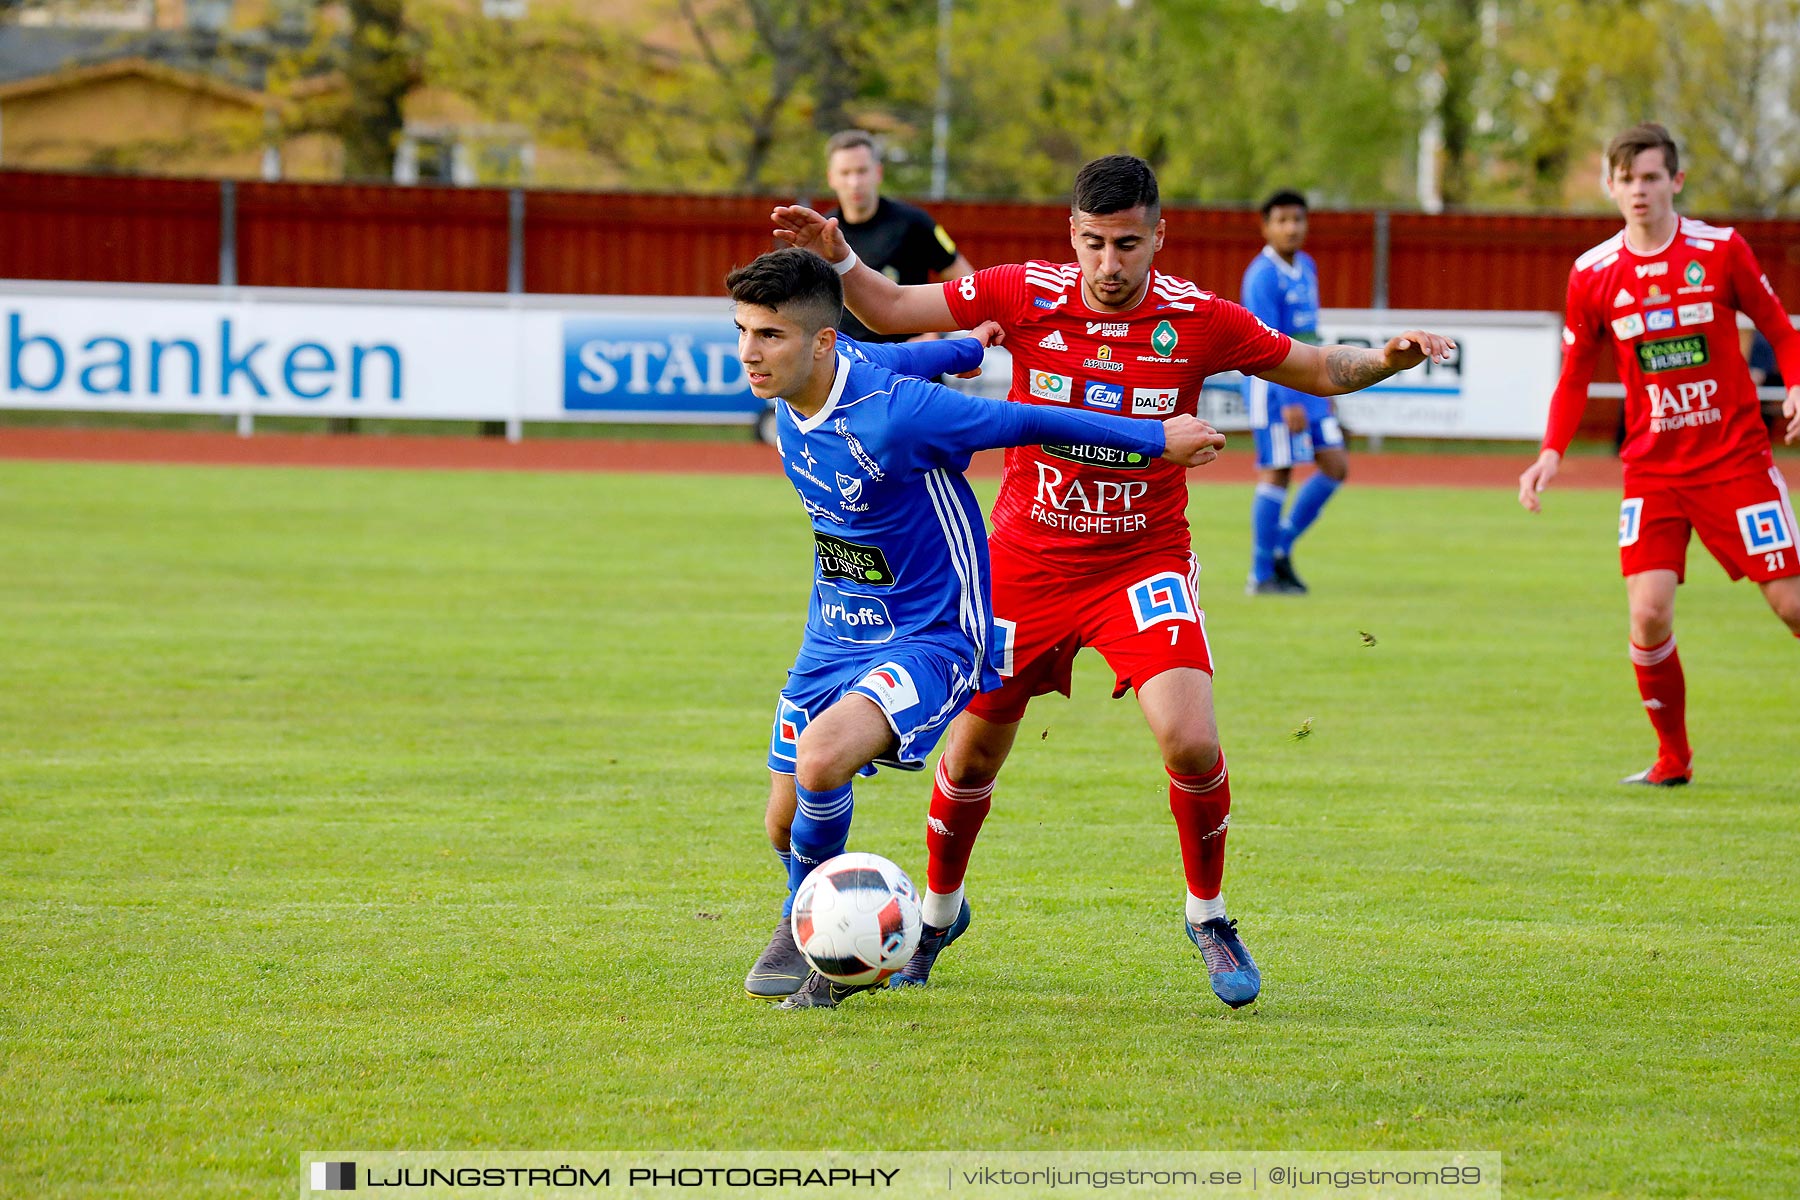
(1623, 298)
(854, 444)
(1102, 361)
(1698, 243)
(1568, 336)
(1098, 456)
(966, 286)
(850, 489)
(1694, 273)
(1161, 598)
(1696, 314)
(841, 559)
(1164, 338)
(1054, 341)
(821, 512)
(1047, 385)
(807, 475)
(861, 620)
(1673, 354)
(1648, 269)
(892, 687)
(1662, 318)
(1040, 302)
(1109, 396)
(1107, 329)
(1088, 505)
(1766, 526)
(1631, 514)
(1153, 402)
(1682, 397)
(1628, 326)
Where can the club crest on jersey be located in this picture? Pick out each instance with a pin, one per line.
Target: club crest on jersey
(1047, 385)
(891, 687)
(1108, 396)
(1694, 273)
(1153, 402)
(1054, 341)
(1164, 339)
(849, 488)
(1631, 514)
(1767, 526)
(1160, 598)
(1628, 326)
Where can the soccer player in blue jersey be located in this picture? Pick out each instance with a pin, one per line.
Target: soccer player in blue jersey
(899, 630)
(1281, 286)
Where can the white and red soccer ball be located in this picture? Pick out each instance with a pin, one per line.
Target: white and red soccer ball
(857, 918)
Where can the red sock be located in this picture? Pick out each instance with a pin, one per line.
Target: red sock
(1202, 808)
(951, 829)
(1664, 689)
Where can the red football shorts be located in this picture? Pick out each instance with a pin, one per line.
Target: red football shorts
(1747, 522)
(1141, 618)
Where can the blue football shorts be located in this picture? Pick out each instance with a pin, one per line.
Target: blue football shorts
(1276, 445)
(919, 686)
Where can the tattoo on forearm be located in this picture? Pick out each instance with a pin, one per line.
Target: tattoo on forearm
(1352, 367)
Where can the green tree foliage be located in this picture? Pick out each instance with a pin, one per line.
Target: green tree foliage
(1227, 98)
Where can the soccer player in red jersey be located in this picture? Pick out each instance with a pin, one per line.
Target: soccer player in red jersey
(1091, 548)
(1666, 291)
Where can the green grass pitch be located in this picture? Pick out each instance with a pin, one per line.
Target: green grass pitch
(420, 810)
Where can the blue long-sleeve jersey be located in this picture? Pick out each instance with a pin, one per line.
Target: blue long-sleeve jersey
(1286, 299)
(900, 548)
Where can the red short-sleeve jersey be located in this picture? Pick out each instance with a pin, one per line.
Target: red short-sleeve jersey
(1086, 503)
(1691, 410)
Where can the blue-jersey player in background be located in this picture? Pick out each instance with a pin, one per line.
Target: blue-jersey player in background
(1281, 286)
(899, 633)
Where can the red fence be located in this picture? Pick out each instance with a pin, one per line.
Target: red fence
(131, 229)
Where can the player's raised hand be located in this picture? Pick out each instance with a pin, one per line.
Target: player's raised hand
(1191, 441)
(797, 225)
(1414, 346)
(1790, 408)
(1536, 478)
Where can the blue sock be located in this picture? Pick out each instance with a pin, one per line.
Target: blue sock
(1307, 506)
(821, 827)
(1265, 521)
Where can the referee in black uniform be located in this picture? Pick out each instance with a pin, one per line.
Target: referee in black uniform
(902, 242)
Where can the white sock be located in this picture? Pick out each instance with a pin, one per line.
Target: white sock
(940, 910)
(1199, 910)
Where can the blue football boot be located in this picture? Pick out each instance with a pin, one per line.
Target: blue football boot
(932, 941)
(1235, 979)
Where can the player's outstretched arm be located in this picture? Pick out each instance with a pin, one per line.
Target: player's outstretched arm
(877, 301)
(927, 360)
(1334, 370)
(1535, 478)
